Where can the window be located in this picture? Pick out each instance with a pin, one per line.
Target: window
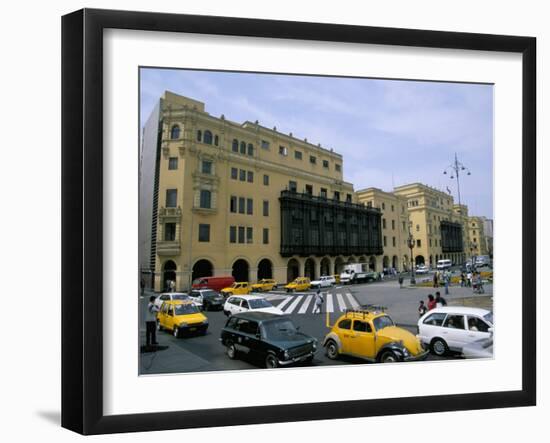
(404, 226)
(292, 186)
(241, 234)
(243, 148)
(216, 140)
(234, 173)
(393, 225)
(249, 206)
(383, 205)
(418, 243)
(235, 145)
(435, 319)
(454, 321)
(392, 208)
(171, 198)
(417, 228)
(298, 155)
(323, 193)
(313, 159)
(309, 189)
(361, 326)
(336, 195)
(204, 233)
(393, 242)
(169, 231)
(266, 180)
(345, 324)
(242, 175)
(250, 149)
(266, 236)
(385, 241)
(383, 223)
(430, 242)
(206, 167)
(232, 234)
(476, 324)
(172, 163)
(338, 167)
(266, 208)
(325, 164)
(249, 235)
(175, 132)
(206, 199)
(233, 204)
(265, 144)
(242, 202)
(348, 198)
(283, 151)
(208, 137)
(199, 135)
(250, 177)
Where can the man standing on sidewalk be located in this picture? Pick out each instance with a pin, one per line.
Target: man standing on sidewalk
(151, 322)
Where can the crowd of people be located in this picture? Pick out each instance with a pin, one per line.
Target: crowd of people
(433, 302)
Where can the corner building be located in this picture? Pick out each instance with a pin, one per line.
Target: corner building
(222, 198)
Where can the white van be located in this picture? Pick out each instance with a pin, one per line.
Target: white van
(444, 264)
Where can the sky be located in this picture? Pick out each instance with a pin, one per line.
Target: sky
(389, 132)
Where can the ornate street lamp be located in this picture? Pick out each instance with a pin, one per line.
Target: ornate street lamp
(455, 169)
(410, 243)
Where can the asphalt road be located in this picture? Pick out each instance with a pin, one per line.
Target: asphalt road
(206, 353)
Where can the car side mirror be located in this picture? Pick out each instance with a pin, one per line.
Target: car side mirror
(491, 330)
(258, 335)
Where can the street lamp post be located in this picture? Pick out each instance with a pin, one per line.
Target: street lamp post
(410, 242)
(456, 167)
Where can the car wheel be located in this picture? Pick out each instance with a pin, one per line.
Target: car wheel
(439, 347)
(176, 332)
(388, 357)
(271, 361)
(332, 350)
(231, 351)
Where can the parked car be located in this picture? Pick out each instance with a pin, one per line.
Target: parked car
(422, 269)
(299, 284)
(236, 304)
(169, 296)
(450, 328)
(272, 339)
(443, 264)
(237, 288)
(324, 281)
(373, 336)
(214, 283)
(180, 317)
(265, 284)
(210, 300)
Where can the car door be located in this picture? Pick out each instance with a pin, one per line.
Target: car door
(432, 326)
(454, 331)
(362, 342)
(478, 329)
(247, 340)
(345, 335)
(233, 304)
(163, 316)
(244, 306)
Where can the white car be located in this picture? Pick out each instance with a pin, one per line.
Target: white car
(422, 269)
(450, 328)
(244, 303)
(168, 296)
(324, 282)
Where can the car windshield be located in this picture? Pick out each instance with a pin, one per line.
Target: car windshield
(180, 297)
(186, 309)
(209, 294)
(279, 330)
(382, 322)
(259, 303)
(489, 317)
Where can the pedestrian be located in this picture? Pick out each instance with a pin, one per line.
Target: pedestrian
(318, 302)
(436, 276)
(400, 279)
(446, 280)
(439, 301)
(469, 279)
(462, 280)
(431, 302)
(172, 285)
(422, 309)
(142, 286)
(151, 322)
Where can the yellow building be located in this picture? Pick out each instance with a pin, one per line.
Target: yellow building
(478, 242)
(223, 198)
(395, 228)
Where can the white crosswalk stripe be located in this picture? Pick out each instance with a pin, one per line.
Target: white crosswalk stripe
(303, 308)
(293, 305)
(352, 301)
(305, 304)
(285, 302)
(330, 306)
(341, 304)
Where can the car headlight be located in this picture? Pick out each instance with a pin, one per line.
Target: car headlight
(183, 324)
(406, 352)
(287, 355)
(314, 345)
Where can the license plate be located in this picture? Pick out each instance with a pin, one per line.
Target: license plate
(192, 329)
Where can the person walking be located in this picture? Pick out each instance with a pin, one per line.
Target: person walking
(446, 281)
(318, 302)
(431, 302)
(422, 309)
(400, 280)
(436, 278)
(469, 279)
(439, 301)
(151, 322)
(462, 279)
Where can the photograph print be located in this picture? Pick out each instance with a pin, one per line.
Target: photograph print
(290, 221)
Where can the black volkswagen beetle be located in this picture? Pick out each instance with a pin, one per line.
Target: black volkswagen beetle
(271, 338)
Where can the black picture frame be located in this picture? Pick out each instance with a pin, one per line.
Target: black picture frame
(82, 186)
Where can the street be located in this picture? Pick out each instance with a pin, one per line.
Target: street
(205, 353)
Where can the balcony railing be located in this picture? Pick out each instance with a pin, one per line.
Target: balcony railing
(324, 200)
(168, 247)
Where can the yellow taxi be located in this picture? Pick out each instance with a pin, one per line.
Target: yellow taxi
(265, 284)
(237, 288)
(181, 316)
(337, 278)
(371, 334)
(299, 284)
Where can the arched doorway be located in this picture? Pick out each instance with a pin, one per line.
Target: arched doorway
(338, 265)
(362, 259)
(265, 269)
(372, 263)
(309, 269)
(419, 260)
(352, 260)
(292, 270)
(240, 270)
(394, 263)
(168, 274)
(325, 266)
(385, 262)
(202, 268)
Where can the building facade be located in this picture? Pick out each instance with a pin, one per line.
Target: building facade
(479, 244)
(222, 198)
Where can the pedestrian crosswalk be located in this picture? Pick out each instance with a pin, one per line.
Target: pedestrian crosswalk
(305, 304)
